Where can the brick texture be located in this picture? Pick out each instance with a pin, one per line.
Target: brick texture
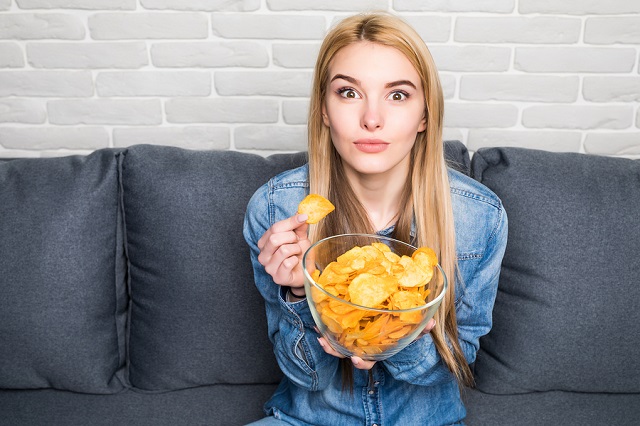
(11, 55)
(77, 75)
(204, 5)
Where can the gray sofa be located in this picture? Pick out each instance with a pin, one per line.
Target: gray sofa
(128, 298)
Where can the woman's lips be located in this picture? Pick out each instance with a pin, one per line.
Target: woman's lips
(371, 145)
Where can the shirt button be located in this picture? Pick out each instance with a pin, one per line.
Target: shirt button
(375, 424)
(376, 383)
(371, 392)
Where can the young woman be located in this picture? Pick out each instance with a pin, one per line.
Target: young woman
(376, 151)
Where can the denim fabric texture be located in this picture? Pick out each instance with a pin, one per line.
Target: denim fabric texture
(411, 387)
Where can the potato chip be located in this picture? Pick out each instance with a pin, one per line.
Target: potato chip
(407, 300)
(374, 268)
(318, 297)
(371, 290)
(352, 254)
(382, 247)
(425, 257)
(398, 334)
(331, 322)
(316, 207)
(372, 350)
(341, 308)
(352, 319)
(392, 257)
(330, 276)
(413, 275)
(372, 253)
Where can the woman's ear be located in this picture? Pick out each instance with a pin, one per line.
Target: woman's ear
(325, 117)
(423, 124)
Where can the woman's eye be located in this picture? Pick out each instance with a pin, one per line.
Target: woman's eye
(398, 96)
(348, 93)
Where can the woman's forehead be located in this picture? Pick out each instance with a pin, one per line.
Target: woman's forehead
(374, 63)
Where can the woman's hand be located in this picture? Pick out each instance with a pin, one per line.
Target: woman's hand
(356, 360)
(281, 249)
(428, 328)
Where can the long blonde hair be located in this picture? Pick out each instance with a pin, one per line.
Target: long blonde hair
(426, 198)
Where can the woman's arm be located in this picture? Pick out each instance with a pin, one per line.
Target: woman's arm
(419, 363)
(290, 325)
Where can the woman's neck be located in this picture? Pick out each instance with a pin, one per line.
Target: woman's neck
(379, 194)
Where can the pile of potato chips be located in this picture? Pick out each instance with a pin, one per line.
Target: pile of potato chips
(373, 276)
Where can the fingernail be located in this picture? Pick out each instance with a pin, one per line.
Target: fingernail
(354, 361)
(303, 218)
(320, 342)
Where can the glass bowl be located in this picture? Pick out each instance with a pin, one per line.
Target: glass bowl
(372, 333)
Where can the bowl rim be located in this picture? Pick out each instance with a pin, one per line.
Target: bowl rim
(379, 310)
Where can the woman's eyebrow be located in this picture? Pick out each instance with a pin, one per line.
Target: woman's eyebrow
(400, 83)
(346, 77)
(388, 85)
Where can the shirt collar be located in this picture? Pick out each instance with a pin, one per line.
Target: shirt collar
(386, 232)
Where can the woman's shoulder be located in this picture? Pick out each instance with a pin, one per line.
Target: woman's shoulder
(278, 198)
(479, 216)
(298, 177)
(288, 179)
(470, 190)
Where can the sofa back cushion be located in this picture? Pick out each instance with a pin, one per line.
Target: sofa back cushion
(566, 312)
(196, 317)
(63, 303)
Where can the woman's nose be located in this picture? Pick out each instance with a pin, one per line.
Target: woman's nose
(372, 118)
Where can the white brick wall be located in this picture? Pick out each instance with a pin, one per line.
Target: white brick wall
(77, 75)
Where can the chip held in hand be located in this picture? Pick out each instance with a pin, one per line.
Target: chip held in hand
(315, 207)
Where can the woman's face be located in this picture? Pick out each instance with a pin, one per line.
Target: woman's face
(374, 108)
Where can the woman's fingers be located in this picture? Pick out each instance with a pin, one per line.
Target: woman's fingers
(357, 362)
(430, 325)
(286, 272)
(285, 266)
(282, 253)
(281, 249)
(428, 328)
(297, 225)
(361, 364)
(328, 348)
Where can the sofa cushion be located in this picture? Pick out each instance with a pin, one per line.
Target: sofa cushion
(566, 315)
(551, 408)
(63, 307)
(226, 405)
(196, 317)
(457, 156)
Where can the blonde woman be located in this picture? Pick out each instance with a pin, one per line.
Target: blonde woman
(376, 151)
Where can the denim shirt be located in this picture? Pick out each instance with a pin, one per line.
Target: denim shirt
(414, 386)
